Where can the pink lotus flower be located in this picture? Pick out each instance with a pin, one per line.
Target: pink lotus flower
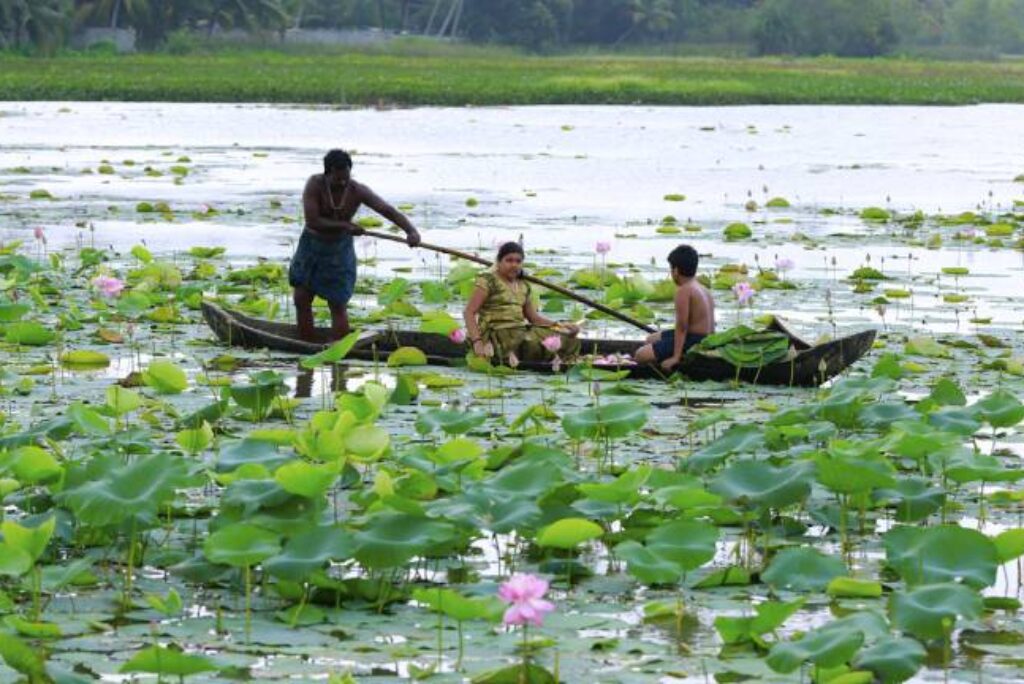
(552, 343)
(108, 286)
(39, 234)
(603, 247)
(525, 594)
(743, 291)
(458, 336)
(782, 265)
(513, 360)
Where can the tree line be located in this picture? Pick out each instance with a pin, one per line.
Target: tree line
(799, 27)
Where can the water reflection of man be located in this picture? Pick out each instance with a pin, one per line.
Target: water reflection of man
(324, 264)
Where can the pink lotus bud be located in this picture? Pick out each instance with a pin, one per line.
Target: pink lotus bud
(552, 343)
(743, 291)
(458, 336)
(603, 247)
(40, 235)
(513, 360)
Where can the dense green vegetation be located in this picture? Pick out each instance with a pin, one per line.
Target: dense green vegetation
(487, 78)
(806, 27)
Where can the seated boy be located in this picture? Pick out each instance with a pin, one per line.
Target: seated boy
(695, 314)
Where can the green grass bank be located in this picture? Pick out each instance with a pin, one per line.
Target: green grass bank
(497, 78)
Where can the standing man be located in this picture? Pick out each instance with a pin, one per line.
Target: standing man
(325, 259)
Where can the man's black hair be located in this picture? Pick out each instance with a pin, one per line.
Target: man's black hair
(684, 259)
(337, 159)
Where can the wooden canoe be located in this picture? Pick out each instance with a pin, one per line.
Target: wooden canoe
(809, 365)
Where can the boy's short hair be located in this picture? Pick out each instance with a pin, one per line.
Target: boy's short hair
(684, 259)
(337, 159)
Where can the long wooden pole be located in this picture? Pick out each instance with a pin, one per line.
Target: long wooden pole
(529, 278)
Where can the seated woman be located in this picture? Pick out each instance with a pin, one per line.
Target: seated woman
(502, 322)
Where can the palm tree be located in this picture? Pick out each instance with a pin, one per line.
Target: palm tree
(254, 15)
(33, 23)
(649, 16)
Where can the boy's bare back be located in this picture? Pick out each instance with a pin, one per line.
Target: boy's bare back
(697, 305)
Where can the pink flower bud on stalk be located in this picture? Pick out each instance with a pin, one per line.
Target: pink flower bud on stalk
(552, 343)
(743, 291)
(458, 336)
(513, 360)
(39, 234)
(524, 594)
(782, 265)
(603, 247)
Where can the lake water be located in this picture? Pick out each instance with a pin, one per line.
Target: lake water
(563, 177)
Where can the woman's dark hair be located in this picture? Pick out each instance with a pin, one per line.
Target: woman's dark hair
(684, 259)
(510, 248)
(337, 159)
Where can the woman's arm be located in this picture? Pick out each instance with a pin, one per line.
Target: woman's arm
(533, 317)
(470, 315)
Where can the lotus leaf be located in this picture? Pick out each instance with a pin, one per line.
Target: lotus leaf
(568, 533)
(802, 569)
(610, 421)
(931, 610)
(241, 545)
(941, 554)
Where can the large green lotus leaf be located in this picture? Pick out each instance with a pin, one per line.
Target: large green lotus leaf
(31, 540)
(166, 377)
(768, 616)
(450, 422)
(438, 323)
(962, 464)
(122, 492)
(32, 465)
(19, 656)
(827, 646)
(742, 438)
(1009, 545)
(89, 421)
(122, 401)
(931, 611)
(84, 358)
(241, 545)
(459, 607)
(11, 312)
(961, 421)
(389, 540)
(14, 562)
(407, 356)
(457, 450)
(941, 554)
(926, 346)
(1000, 409)
(249, 451)
(305, 479)
(309, 551)
(334, 353)
(760, 485)
(256, 397)
(885, 414)
(852, 476)
(622, 490)
(568, 533)
(195, 440)
(689, 543)
(29, 333)
(513, 674)
(914, 497)
(647, 565)
(802, 569)
(945, 392)
(367, 441)
(168, 661)
(892, 660)
(610, 421)
(916, 440)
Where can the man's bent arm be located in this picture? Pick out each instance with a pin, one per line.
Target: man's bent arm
(374, 201)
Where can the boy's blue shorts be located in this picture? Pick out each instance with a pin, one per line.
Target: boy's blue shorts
(664, 347)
